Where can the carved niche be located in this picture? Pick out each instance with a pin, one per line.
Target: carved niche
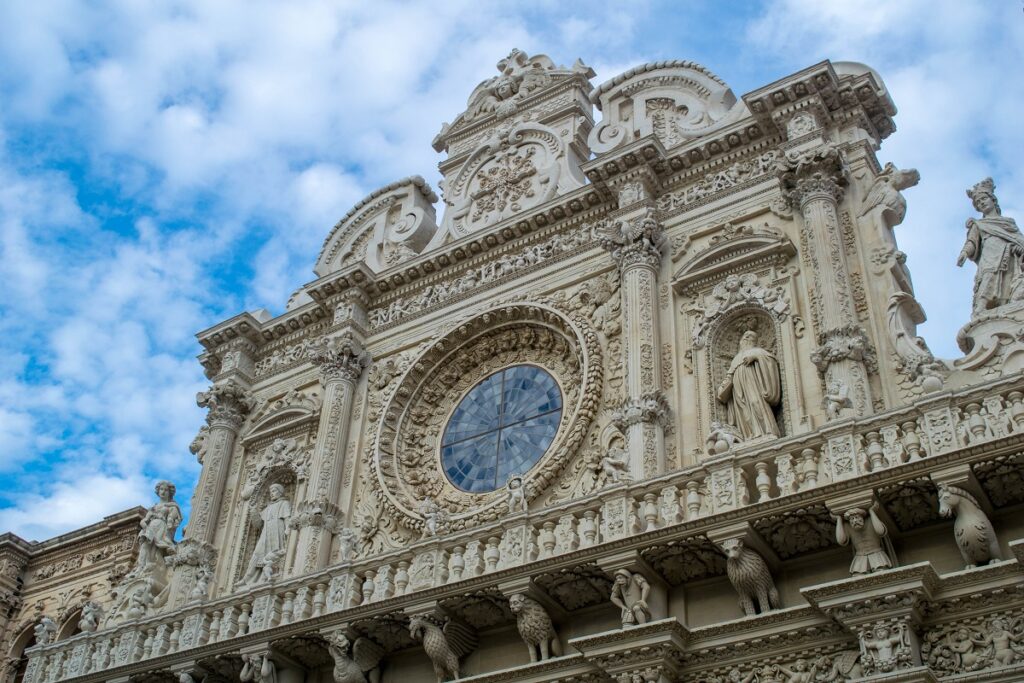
(406, 466)
(739, 281)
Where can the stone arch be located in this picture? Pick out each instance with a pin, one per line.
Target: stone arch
(69, 626)
(25, 639)
(723, 336)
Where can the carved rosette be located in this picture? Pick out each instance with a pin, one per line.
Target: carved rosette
(814, 174)
(339, 358)
(228, 404)
(406, 458)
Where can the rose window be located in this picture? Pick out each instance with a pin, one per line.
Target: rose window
(501, 427)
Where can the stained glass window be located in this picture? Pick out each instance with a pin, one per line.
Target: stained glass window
(501, 427)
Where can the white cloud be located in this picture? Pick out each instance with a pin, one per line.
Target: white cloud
(188, 159)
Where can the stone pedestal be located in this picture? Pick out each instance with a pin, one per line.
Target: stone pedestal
(995, 339)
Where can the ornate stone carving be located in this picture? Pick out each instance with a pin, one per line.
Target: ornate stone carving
(816, 171)
(566, 346)
(615, 466)
(869, 537)
(535, 627)
(995, 243)
(649, 408)
(630, 591)
(749, 575)
(973, 531)
(45, 631)
(258, 668)
(444, 646)
(849, 343)
(886, 647)
(341, 357)
(717, 181)
(634, 242)
(751, 389)
(733, 292)
(354, 662)
(228, 404)
(883, 200)
(271, 544)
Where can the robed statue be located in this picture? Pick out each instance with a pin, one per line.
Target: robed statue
(996, 244)
(156, 535)
(270, 546)
(751, 389)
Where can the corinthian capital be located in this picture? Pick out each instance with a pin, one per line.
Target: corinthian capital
(639, 241)
(228, 404)
(341, 357)
(815, 172)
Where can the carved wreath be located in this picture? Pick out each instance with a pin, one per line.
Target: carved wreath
(406, 459)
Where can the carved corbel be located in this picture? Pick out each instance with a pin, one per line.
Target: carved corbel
(749, 564)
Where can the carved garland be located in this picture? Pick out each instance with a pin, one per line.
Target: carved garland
(405, 462)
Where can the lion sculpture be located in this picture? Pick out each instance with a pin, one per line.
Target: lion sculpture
(749, 575)
(535, 627)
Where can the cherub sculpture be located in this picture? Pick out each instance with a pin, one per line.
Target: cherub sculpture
(45, 631)
(433, 517)
(516, 494)
(444, 646)
(836, 399)
(357, 662)
(615, 465)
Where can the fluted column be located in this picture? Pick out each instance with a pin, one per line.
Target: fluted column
(814, 182)
(636, 245)
(341, 361)
(228, 403)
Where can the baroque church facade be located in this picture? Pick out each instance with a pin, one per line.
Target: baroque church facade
(645, 403)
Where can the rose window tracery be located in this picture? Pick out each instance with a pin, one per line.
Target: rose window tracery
(511, 390)
(501, 427)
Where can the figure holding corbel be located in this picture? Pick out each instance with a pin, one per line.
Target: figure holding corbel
(871, 545)
(630, 591)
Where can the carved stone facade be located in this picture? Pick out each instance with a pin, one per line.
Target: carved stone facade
(647, 397)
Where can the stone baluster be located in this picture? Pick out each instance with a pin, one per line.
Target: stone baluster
(912, 440)
(588, 529)
(369, 585)
(402, 576)
(1016, 400)
(636, 244)
(762, 482)
(319, 599)
(875, 451)
(694, 499)
(288, 607)
(813, 181)
(546, 540)
(492, 554)
(341, 360)
(228, 403)
(650, 511)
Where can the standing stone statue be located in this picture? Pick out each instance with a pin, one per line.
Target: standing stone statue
(751, 389)
(629, 593)
(270, 546)
(868, 534)
(996, 244)
(156, 537)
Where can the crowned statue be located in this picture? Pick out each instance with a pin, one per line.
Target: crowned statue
(996, 245)
(751, 389)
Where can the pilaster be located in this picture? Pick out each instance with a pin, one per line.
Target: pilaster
(814, 182)
(636, 243)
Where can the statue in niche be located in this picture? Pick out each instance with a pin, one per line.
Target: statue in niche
(996, 245)
(871, 546)
(752, 389)
(156, 537)
(270, 546)
(630, 591)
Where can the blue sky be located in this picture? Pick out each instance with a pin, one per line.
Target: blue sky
(164, 165)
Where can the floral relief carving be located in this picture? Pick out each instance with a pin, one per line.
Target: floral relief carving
(717, 181)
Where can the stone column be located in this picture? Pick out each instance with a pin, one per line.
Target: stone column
(636, 245)
(341, 361)
(813, 181)
(228, 403)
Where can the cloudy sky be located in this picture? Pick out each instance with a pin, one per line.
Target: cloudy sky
(164, 165)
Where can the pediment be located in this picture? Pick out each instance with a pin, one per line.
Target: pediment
(291, 410)
(734, 250)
